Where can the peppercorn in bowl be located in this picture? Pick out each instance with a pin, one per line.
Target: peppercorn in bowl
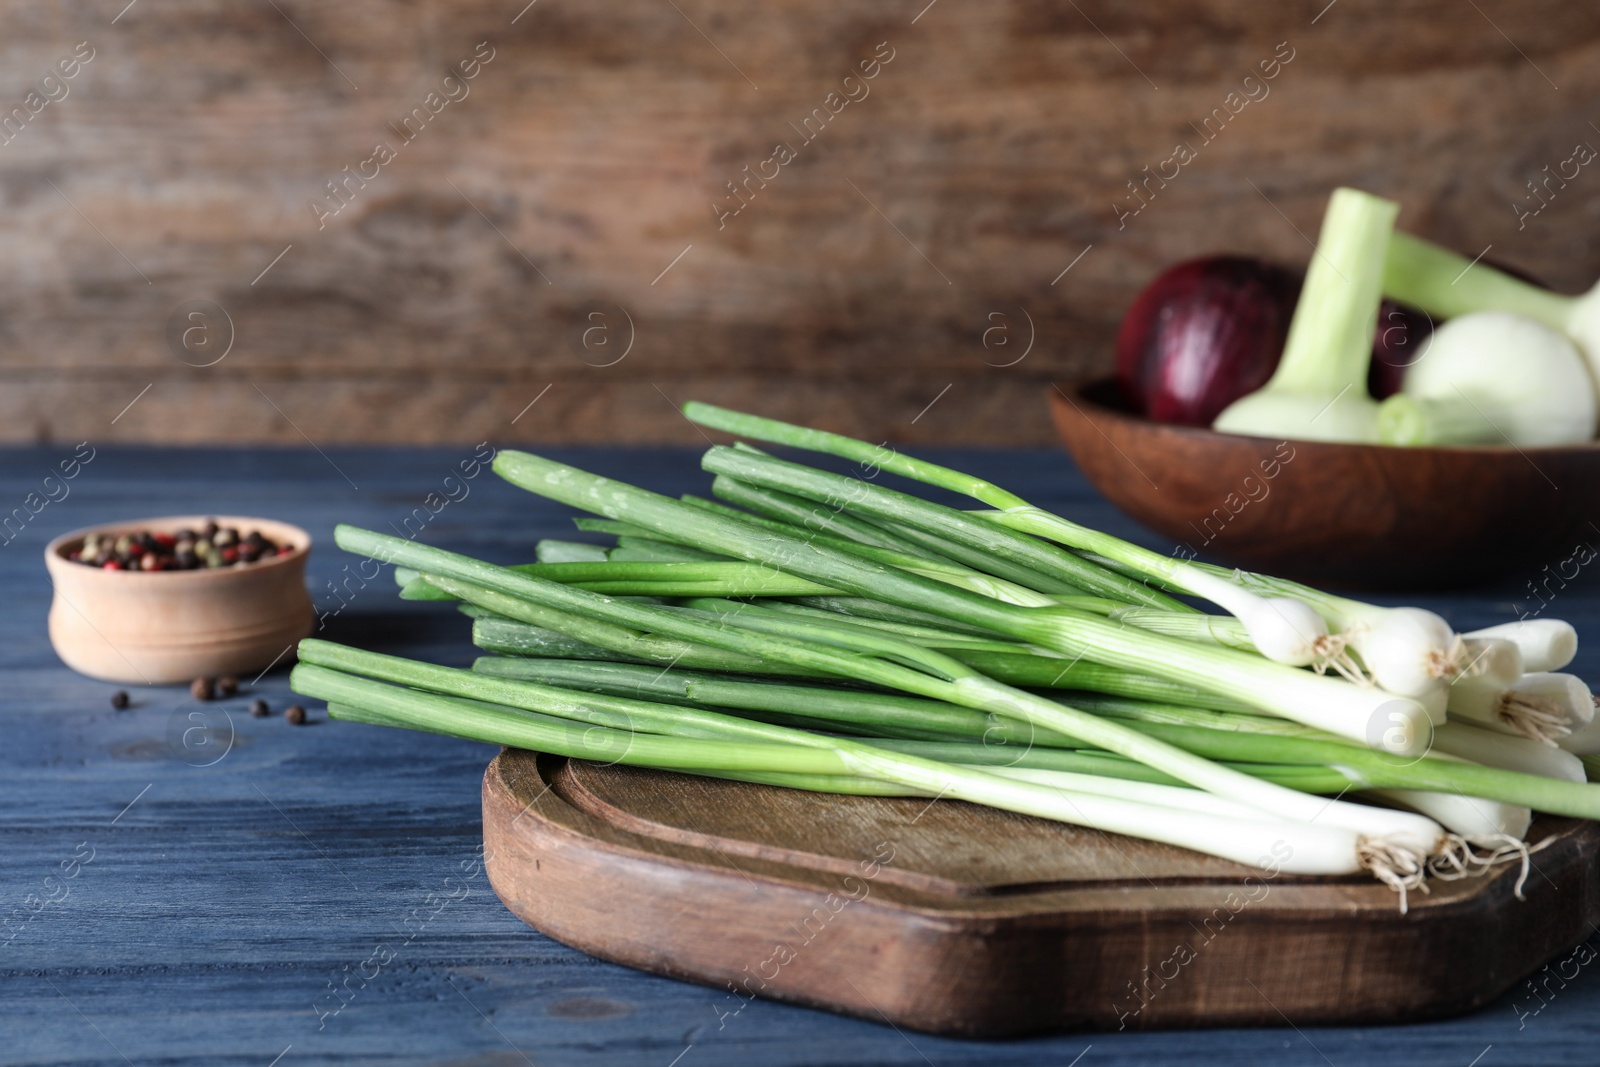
(169, 599)
(184, 549)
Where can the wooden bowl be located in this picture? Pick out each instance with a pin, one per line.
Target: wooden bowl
(1361, 516)
(173, 626)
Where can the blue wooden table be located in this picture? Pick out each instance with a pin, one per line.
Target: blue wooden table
(194, 896)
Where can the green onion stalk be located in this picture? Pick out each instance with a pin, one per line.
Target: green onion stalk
(1363, 714)
(784, 513)
(1282, 630)
(548, 720)
(1318, 391)
(676, 578)
(1321, 762)
(1445, 285)
(510, 638)
(1408, 651)
(1391, 840)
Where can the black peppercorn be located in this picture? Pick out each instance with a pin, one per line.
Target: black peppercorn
(227, 685)
(259, 709)
(295, 715)
(202, 689)
(119, 699)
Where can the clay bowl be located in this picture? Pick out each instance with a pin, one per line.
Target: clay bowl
(1357, 516)
(173, 626)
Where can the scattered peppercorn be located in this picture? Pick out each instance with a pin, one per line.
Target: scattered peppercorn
(119, 699)
(202, 689)
(295, 715)
(227, 685)
(181, 550)
(259, 709)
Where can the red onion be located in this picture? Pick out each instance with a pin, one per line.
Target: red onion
(1203, 334)
(1209, 331)
(1396, 344)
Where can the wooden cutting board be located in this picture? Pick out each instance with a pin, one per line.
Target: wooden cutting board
(952, 918)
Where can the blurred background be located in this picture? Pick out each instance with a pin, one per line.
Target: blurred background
(451, 220)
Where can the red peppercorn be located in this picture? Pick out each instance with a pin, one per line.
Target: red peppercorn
(166, 539)
(111, 565)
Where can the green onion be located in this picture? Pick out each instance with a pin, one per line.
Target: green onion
(855, 535)
(553, 733)
(650, 550)
(882, 661)
(1040, 672)
(929, 636)
(508, 637)
(865, 608)
(1367, 769)
(1395, 723)
(1545, 644)
(712, 578)
(1319, 391)
(553, 551)
(1409, 651)
(1212, 629)
(1317, 849)
(1284, 630)
(855, 496)
(652, 648)
(1218, 735)
(1469, 742)
(1447, 285)
(874, 714)
(838, 635)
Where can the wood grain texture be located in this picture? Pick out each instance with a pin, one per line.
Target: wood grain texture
(1357, 516)
(957, 919)
(221, 904)
(856, 287)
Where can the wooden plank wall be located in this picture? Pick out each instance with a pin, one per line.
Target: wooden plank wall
(903, 255)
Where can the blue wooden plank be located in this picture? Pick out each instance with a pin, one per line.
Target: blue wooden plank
(208, 922)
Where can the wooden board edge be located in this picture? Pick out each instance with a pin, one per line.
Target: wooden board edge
(977, 976)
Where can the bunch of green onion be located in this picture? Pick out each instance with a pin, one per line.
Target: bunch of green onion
(824, 632)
